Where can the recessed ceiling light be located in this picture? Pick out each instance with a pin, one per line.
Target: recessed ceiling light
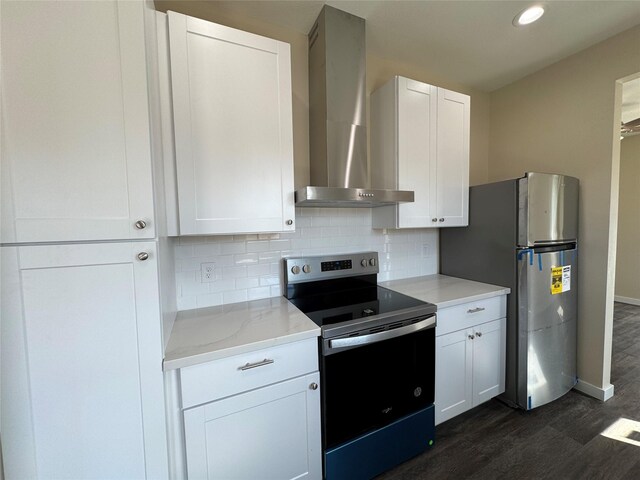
(528, 16)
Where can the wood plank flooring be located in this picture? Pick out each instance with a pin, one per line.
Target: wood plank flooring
(561, 440)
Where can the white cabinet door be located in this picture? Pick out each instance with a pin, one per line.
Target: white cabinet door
(452, 169)
(417, 151)
(233, 128)
(76, 161)
(470, 366)
(269, 433)
(403, 151)
(489, 346)
(82, 386)
(420, 142)
(454, 374)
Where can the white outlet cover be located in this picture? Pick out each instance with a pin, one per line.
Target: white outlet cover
(208, 272)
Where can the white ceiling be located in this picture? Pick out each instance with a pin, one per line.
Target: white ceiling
(471, 42)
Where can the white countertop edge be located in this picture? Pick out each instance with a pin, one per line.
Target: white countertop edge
(473, 298)
(445, 291)
(196, 359)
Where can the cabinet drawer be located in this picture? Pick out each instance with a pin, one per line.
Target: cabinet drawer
(471, 313)
(222, 378)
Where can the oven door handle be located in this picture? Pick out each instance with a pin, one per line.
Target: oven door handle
(350, 342)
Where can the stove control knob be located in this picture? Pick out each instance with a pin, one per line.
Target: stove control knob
(363, 262)
(306, 268)
(295, 269)
(372, 262)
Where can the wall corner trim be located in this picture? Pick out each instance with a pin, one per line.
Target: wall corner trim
(602, 394)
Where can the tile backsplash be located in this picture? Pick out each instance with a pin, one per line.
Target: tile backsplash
(248, 267)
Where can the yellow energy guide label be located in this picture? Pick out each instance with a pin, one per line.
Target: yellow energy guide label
(560, 279)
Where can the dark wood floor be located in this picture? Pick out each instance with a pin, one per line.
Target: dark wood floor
(561, 440)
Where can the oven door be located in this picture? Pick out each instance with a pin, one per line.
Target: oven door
(370, 381)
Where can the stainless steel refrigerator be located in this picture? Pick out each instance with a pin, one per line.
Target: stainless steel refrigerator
(523, 234)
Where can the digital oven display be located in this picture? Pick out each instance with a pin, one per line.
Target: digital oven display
(336, 265)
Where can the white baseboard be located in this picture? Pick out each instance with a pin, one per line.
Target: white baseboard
(603, 394)
(629, 300)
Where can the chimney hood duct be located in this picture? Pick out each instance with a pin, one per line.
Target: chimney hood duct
(337, 117)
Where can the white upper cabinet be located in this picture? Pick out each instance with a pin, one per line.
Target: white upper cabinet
(452, 159)
(232, 120)
(76, 162)
(420, 142)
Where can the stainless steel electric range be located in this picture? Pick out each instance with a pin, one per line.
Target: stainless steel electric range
(377, 363)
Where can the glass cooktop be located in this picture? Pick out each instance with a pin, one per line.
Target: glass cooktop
(337, 306)
(340, 293)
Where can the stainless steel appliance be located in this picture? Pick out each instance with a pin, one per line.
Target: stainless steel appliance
(523, 234)
(377, 363)
(337, 117)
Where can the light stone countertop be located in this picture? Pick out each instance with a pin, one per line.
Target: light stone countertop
(206, 334)
(445, 291)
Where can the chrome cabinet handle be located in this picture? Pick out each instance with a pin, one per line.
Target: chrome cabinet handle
(478, 334)
(143, 256)
(313, 386)
(475, 310)
(248, 366)
(434, 219)
(471, 337)
(442, 219)
(289, 222)
(140, 224)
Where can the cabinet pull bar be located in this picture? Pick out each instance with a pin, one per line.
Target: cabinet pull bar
(248, 366)
(475, 310)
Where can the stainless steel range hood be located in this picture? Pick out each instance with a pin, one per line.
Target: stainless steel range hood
(337, 117)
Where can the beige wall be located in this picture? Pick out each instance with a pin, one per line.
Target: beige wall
(562, 119)
(628, 254)
(378, 72)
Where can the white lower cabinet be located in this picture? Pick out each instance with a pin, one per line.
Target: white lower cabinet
(253, 415)
(82, 387)
(265, 433)
(454, 370)
(470, 356)
(488, 360)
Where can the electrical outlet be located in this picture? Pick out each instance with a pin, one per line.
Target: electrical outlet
(208, 272)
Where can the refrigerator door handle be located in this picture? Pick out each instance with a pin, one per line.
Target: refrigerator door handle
(558, 247)
(549, 243)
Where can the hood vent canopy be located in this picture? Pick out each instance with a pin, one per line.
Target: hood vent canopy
(337, 117)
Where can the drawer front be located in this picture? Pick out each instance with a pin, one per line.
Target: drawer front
(471, 313)
(228, 376)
